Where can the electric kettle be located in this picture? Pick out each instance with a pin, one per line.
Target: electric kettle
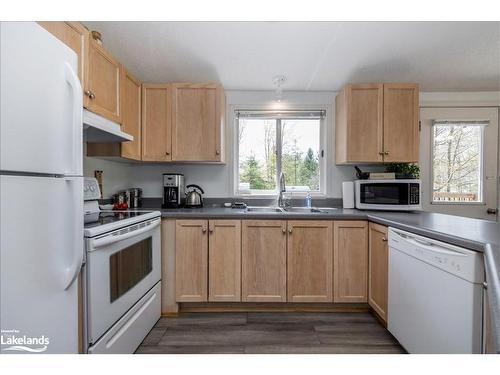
(193, 197)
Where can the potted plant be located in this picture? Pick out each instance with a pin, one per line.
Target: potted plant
(404, 170)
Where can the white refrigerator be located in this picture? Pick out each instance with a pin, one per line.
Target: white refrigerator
(41, 191)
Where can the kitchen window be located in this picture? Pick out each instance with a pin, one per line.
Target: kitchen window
(457, 155)
(271, 142)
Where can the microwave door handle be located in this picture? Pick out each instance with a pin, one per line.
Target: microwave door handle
(107, 240)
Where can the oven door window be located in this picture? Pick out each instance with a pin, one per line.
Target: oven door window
(129, 266)
(384, 193)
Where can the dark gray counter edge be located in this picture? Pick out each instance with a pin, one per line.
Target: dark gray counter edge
(491, 251)
(492, 267)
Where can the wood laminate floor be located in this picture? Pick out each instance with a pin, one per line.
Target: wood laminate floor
(276, 333)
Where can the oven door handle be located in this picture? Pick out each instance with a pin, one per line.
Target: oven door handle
(99, 242)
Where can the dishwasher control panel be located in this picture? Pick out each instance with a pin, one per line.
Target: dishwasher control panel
(464, 263)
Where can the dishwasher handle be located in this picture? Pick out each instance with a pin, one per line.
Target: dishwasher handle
(429, 246)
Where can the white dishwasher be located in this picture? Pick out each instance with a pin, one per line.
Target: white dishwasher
(435, 295)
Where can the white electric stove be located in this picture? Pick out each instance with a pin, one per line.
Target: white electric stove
(122, 275)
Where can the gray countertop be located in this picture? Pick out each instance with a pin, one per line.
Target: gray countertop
(475, 234)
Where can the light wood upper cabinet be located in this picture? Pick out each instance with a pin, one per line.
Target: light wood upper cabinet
(191, 260)
(263, 268)
(131, 118)
(103, 88)
(350, 259)
(224, 254)
(378, 272)
(401, 129)
(76, 37)
(359, 123)
(310, 261)
(377, 123)
(197, 122)
(156, 122)
(131, 124)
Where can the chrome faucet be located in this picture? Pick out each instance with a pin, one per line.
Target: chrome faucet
(282, 189)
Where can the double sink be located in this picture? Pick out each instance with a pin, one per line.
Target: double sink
(274, 209)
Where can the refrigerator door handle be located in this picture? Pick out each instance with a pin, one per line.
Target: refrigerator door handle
(71, 272)
(77, 127)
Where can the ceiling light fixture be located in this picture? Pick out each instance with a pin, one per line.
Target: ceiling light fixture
(278, 81)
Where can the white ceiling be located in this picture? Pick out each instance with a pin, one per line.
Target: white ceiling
(440, 56)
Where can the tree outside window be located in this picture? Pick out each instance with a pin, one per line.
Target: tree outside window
(295, 142)
(456, 164)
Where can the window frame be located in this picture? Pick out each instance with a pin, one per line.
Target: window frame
(481, 177)
(273, 193)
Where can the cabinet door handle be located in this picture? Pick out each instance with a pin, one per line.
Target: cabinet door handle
(167, 153)
(386, 152)
(90, 94)
(290, 230)
(217, 152)
(384, 239)
(283, 230)
(204, 229)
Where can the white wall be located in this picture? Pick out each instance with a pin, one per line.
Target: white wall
(468, 100)
(116, 176)
(217, 179)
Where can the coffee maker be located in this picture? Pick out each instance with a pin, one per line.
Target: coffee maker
(173, 190)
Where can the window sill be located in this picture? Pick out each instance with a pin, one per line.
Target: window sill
(292, 195)
(458, 203)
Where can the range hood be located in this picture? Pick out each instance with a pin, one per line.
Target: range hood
(97, 129)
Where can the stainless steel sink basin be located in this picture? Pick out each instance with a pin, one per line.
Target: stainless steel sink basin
(274, 209)
(306, 210)
(264, 209)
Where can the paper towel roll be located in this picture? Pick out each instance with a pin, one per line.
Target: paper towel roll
(348, 194)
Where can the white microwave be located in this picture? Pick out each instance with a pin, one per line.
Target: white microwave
(389, 195)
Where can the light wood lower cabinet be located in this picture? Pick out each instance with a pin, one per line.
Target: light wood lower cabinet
(224, 261)
(378, 272)
(191, 260)
(263, 269)
(296, 261)
(350, 259)
(168, 303)
(310, 261)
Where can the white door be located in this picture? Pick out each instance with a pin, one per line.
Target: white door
(459, 161)
(40, 102)
(41, 254)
